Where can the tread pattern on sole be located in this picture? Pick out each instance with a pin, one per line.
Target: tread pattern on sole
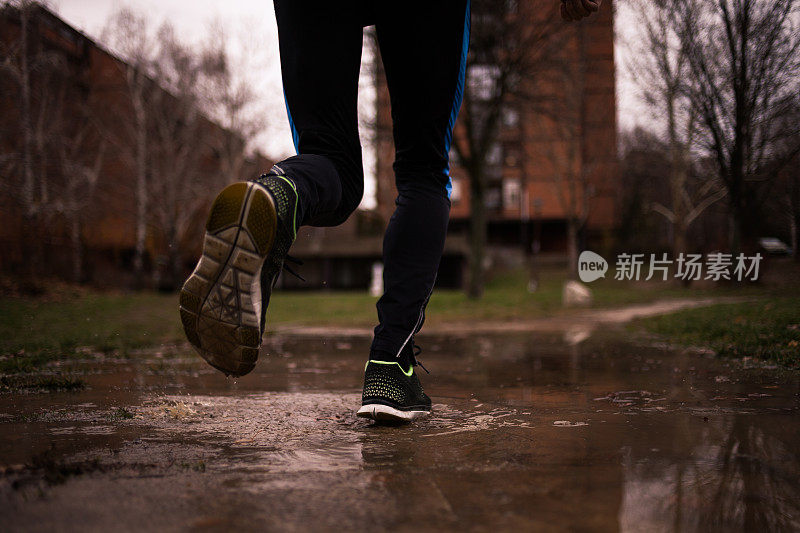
(220, 303)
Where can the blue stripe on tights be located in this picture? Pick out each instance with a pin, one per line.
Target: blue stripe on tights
(459, 95)
(295, 135)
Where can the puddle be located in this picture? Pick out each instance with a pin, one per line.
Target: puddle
(524, 426)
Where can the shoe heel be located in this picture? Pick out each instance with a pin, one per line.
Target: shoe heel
(227, 207)
(218, 306)
(262, 220)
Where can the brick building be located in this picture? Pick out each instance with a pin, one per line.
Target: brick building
(80, 115)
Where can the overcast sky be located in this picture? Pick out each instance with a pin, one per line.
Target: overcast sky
(250, 25)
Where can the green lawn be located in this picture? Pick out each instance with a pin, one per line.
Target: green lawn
(768, 329)
(34, 331)
(505, 298)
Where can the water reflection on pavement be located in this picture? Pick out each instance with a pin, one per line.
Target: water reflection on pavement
(528, 432)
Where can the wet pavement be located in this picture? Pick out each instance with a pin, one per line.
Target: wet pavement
(529, 432)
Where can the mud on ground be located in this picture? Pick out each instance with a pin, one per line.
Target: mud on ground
(530, 431)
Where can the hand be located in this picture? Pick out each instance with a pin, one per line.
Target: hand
(578, 9)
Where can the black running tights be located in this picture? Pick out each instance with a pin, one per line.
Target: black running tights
(423, 45)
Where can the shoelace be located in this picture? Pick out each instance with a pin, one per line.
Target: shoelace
(290, 270)
(289, 258)
(415, 351)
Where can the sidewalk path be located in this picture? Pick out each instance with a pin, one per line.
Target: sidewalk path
(565, 321)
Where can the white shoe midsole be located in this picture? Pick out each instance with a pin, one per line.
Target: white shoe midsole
(374, 410)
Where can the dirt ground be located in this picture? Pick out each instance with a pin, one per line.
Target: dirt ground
(530, 431)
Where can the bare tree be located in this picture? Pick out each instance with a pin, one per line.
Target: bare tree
(154, 117)
(645, 162)
(784, 196)
(129, 35)
(661, 69)
(80, 156)
(178, 184)
(791, 174)
(19, 66)
(33, 79)
(561, 111)
(742, 56)
(230, 97)
(508, 44)
(792, 207)
(180, 157)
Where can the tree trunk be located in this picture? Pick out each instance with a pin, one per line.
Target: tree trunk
(173, 269)
(738, 229)
(31, 249)
(679, 243)
(572, 248)
(141, 189)
(477, 234)
(77, 249)
(174, 263)
(26, 118)
(680, 226)
(678, 177)
(736, 212)
(794, 224)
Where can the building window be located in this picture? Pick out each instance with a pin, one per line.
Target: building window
(493, 198)
(494, 161)
(483, 81)
(510, 117)
(511, 192)
(456, 193)
(494, 156)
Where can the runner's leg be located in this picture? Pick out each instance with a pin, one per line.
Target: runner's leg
(423, 44)
(320, 49)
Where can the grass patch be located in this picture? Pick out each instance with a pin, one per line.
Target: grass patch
(505, 298)
(25, 362)
(34, 331)
(766, 329)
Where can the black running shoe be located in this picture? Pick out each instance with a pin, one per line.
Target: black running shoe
(392, 393)
(223, 303)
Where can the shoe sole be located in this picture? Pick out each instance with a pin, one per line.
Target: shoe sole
(384, 413)
(220, 303)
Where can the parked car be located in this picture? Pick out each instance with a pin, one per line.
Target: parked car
(774, 246)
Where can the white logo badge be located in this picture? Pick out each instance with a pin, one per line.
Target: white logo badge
(591, 266)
